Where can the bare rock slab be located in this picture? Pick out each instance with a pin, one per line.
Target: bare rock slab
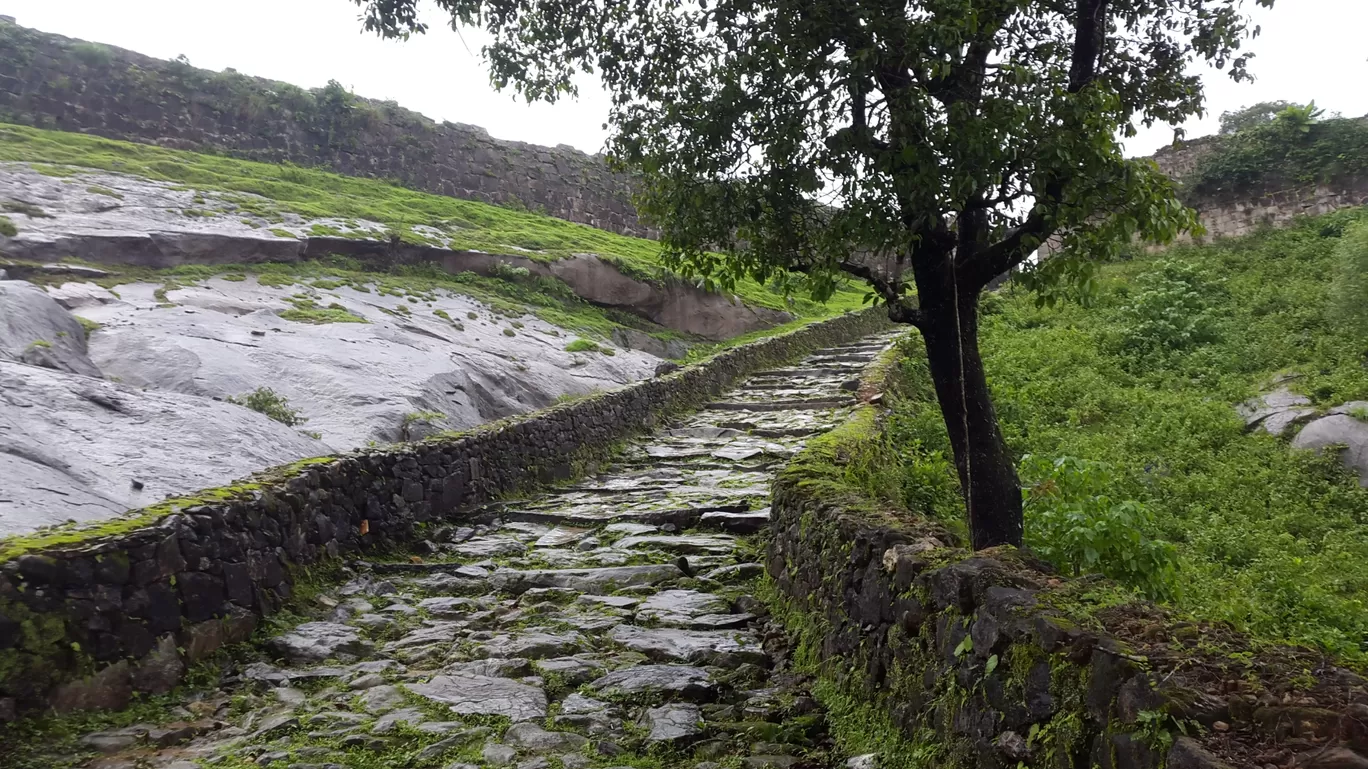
(483, 695)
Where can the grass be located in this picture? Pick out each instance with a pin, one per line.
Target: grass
(1272, 540)
(319, 194)
(582, 345)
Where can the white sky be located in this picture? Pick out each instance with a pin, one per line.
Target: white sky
(1310, 49)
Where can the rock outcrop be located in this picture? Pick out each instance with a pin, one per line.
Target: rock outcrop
(35, 329)
(78, 448)
(158, 225)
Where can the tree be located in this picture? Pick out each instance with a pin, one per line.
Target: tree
(1253, 115)
(925, 147)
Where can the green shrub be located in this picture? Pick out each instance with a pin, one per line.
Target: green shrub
(507, 272)
(92, 54)
(1072, 522)
(1170, 311)
(266, 401)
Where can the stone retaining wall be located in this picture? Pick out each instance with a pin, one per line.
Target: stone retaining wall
(1244, 212)
(197, 573)
(50, 81)
(977, 660)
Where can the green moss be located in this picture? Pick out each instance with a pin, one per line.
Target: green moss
(582, 345)
(7, 228)
(40, 344)
(71, 534)
(308, 311)
(88, 325)
(96, 189)
(279, 233)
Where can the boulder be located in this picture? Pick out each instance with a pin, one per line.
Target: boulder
(1339, 430)
(34, 329)
(1276, 411)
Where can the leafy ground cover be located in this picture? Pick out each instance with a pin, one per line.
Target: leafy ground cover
(1135, 462)
(313, 193)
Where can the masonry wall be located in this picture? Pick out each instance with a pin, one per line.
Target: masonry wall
(990, 660)
(194, 574)
(1242, 212)
(55, 82)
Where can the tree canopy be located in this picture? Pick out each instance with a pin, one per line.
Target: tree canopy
(925, 147)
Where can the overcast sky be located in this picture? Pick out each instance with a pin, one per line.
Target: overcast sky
(1310, 49)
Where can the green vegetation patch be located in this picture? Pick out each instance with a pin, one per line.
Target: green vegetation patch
(1135, 462)
(308, 311)
(7, 227)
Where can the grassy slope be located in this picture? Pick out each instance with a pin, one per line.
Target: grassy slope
(320, 194)
(1272, 540)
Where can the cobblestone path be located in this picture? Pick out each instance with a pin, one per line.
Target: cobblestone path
(608, 623)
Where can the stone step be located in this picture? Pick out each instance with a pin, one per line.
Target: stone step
(794, 405)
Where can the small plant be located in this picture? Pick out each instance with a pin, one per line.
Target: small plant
(7, 228)
(266, 401)
(1359, 412)
(509, 332)
(1072, 523)
(443, 314)
(471, 315)
(417, 418)
(511, 274)
(92, 54)
(279, 233)
(89, 325)
(582, 345)
(40, 344)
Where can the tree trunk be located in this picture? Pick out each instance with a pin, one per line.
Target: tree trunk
(988, 479)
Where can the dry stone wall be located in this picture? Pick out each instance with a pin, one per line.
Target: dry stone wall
(1239, 214)
(977, 660)
(198, 573)
(55, 82)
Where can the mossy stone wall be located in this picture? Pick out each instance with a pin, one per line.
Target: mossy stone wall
(935, 656)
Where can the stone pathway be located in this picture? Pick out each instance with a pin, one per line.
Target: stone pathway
(609, 623)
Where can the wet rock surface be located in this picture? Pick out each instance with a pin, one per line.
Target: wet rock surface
(598, 643)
